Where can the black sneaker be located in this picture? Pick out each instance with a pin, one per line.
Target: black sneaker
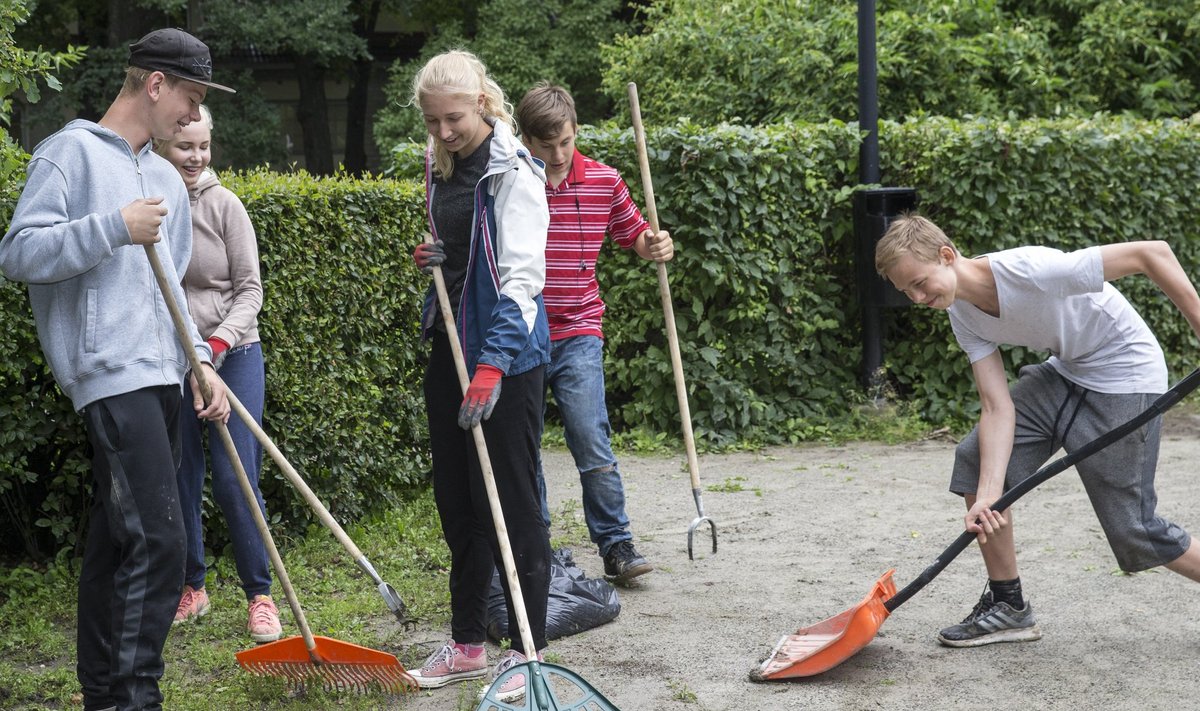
(992, 622)
(623, 563)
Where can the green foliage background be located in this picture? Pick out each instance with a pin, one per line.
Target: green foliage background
(344, 362)
(522, 43)
(763, 289)
(760, 62)
(1067, 184)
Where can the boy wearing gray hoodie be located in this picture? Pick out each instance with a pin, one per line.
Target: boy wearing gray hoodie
(96, 194)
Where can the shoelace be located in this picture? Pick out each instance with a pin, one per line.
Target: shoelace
(446, 653)
(261, 612)
(185, 602)
(509, 662)
(985, 603)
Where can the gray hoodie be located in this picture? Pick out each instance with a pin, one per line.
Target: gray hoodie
(103, 326)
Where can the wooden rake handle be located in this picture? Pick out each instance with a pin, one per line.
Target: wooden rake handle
(664, 291)
(485, 463)
(164, 286)
(390, 596)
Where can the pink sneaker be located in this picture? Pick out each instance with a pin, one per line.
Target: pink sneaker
(264, 620)
(513, 688)
(193, 605)
(448, 665)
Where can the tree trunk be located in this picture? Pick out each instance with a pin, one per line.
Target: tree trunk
(314, 117)
(355, 159)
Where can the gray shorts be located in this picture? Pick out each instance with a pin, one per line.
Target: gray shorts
(1119, 480)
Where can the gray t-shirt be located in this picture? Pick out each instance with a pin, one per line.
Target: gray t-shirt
(1059, 302)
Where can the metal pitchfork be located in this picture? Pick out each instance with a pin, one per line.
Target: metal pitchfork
(664, 290)
(337, 665)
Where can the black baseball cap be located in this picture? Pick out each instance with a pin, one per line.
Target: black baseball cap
(177, 53)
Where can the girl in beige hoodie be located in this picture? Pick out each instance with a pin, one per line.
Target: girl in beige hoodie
(224, 295)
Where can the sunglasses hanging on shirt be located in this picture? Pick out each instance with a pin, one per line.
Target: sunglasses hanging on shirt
(579, 222)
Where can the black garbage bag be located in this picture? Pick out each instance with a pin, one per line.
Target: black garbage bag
(576, 602)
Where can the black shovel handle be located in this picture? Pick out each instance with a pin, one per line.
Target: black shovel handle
(1157, 408)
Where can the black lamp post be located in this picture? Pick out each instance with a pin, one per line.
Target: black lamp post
(874, 208)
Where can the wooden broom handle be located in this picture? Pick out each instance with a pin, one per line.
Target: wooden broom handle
(164, 286)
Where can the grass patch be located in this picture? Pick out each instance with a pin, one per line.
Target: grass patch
(733, 485)
(37, 651)
(37, 605)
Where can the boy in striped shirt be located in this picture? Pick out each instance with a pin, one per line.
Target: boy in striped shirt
(588, 200)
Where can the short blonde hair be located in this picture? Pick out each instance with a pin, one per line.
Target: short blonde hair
(910, 234)
(135, 79)
(459, 73)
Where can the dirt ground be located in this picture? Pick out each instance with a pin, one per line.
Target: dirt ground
(807, 534)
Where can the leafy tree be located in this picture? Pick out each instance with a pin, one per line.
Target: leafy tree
(317, 35)
(1138, 57)
(759, 62)
(247, 130)
(522, 42)
(22, 72)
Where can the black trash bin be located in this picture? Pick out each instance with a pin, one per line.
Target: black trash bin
(874, 210)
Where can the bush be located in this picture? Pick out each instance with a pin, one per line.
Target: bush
(761, 219)
(761, 62)
(344, 363)
(763, 288)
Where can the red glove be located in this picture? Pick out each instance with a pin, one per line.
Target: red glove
(481, 396)
(218, 348)
(428, 255)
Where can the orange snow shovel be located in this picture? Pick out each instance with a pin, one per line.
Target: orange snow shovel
(337, 665)
(664, 292)
(819, 648)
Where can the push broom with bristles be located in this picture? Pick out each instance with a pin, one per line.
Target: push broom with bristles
(305, 660)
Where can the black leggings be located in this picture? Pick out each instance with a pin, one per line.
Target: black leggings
(511, 434)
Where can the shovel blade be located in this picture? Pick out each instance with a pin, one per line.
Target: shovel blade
(821, 647)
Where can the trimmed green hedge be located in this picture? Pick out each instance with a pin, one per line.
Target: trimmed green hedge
(340, 331)
(761, 219)
(343, 357)
(763, 285)
(1066, 184)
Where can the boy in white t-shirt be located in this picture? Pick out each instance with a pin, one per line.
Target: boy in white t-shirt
(1105, 367)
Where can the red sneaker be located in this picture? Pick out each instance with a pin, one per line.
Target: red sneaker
(264, 620)
(193, 605)
(448, 665)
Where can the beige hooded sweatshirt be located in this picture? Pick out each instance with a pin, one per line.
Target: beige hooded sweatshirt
(224, 290)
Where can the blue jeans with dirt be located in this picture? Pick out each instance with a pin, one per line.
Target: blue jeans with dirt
(575, 377)
(243, 374)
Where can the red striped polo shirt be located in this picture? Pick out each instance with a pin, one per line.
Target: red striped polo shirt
(593, 201)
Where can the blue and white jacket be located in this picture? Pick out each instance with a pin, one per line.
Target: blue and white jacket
(501, 319)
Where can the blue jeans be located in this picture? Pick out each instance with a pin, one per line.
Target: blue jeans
(576, 378)
(243, 374)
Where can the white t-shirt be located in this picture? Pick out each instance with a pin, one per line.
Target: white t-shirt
(1059, 302)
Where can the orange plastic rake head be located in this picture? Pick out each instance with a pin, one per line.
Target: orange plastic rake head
(335, 665)
(815, 649)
